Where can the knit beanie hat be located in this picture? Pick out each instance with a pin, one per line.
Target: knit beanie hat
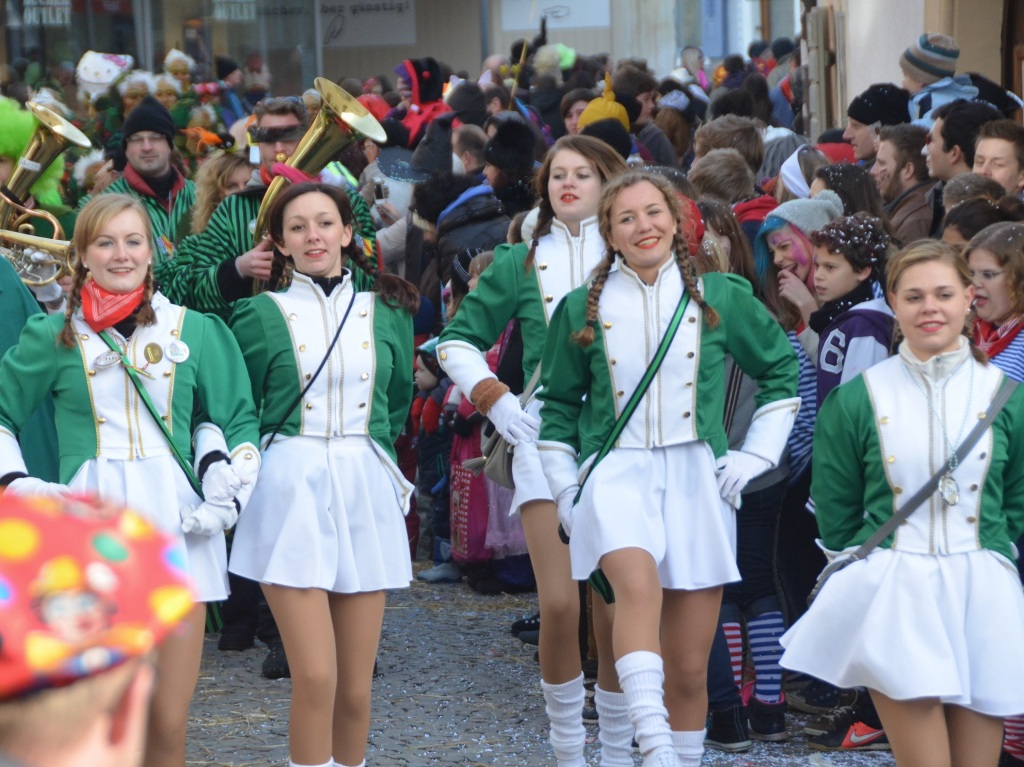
(782, 46)
(930, 58)
(883, 103)
(149, 114)
(225, 66)
(427, 353)
(604, 107)
(811, 214)
(511, 147)
(611, 132)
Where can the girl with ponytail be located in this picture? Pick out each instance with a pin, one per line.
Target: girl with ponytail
(657, 514)
(325, 534)
(526, 282)
(187, 364)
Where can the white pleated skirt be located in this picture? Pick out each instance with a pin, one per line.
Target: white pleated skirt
(156, 488)
(919, 626)
(665, 501)
(326, 514)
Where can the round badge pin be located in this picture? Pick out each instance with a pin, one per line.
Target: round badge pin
(153, 353)
(176, 351)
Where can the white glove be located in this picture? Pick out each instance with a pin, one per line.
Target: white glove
(36, 486)
(512, 422)
(566, 508)
(208, 518)
(42, 270)
(221, 482)
(735, 469)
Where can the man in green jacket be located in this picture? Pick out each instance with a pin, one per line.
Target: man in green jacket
(150, 177)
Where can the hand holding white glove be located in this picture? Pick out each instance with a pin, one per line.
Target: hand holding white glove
(735, 469)
(512, 422)
(208, 518)
(36, 486)
(566, 508)
(43, 268)
(221, 482)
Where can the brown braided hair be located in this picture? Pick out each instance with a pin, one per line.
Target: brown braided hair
(89, 225)
(395, 291)
(609, 194)
(606, 161)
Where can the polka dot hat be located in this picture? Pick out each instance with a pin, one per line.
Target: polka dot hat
(84, 586)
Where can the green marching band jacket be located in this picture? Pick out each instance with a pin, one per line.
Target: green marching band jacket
(584, 389)
(366, 386)
(98, 411)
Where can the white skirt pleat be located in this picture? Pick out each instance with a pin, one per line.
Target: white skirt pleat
(326, 514)
(919, 626)
(665, 501)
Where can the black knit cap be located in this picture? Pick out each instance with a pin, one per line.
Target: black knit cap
(883, 103)
(511, 147)
(149, 114)
(612, 133)
(225, 66)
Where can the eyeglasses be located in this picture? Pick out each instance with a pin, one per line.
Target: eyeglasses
(986, 275)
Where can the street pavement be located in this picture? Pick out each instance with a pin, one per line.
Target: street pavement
(454, 688)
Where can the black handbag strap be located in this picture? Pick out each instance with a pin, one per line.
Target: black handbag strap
(312, 380)
(1003, 395)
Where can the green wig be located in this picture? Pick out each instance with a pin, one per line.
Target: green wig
(18, 127)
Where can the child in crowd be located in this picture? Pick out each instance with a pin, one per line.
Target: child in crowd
(854, 328)
(435, 444)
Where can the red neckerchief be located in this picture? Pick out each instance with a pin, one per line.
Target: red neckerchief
(103, 309)
(993, 339)
(140, 185)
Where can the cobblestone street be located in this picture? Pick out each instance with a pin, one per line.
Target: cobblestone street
(455, 688)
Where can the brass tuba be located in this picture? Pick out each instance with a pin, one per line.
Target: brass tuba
(342, 119)
(51, 137)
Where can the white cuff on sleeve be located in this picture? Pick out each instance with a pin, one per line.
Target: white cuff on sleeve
(245, 460)
(560, 467)
(11, 459)
(769, 429)
(464, 364)
(206, 439)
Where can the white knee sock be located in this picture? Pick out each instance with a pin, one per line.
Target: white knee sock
(615, 731)
(564, 706)
(325, 764)
(339, 764)
(689, 746)
(642, 676)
